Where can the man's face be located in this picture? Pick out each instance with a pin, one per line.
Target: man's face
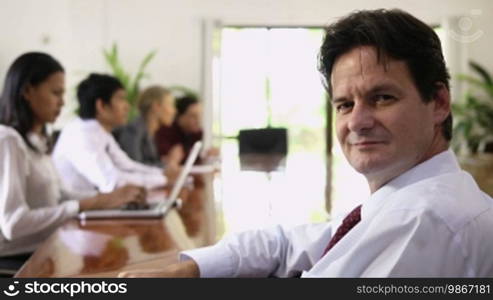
(382, 124)
(115, 113)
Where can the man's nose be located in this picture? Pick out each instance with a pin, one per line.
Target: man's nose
(361, 118)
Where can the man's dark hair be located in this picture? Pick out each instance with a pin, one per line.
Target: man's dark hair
(29, 69)
(183, 103)
(395, 34)
(94, 87)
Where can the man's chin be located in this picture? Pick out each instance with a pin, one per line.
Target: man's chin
(368, 167)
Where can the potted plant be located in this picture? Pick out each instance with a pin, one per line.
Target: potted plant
(473, 127)
(130, 82)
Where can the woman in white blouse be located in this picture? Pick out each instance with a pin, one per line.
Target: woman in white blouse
(32, 200)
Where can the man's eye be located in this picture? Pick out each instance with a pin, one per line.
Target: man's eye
(344, 107)
(383, 98)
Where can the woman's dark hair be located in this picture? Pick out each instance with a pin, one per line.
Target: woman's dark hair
(94, 87)
(183, 103)
(29, 69)
(395, 34)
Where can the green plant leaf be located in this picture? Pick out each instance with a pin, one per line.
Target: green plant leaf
(488, 89)
(482, 72)
(140, 71)
(129, 82)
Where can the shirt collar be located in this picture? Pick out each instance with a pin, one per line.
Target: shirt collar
(444, 162)
(93, 124)
(38, 141)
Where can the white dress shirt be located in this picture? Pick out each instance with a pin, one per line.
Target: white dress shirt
(431, 221)
(30, 194)
(88, 157)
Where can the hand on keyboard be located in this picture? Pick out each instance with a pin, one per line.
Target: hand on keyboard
(135, 206)
(116, 199)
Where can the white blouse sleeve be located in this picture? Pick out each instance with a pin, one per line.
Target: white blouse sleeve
(68, 194)
(260, 253)
(17, 219)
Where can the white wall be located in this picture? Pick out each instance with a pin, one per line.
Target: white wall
(75, 31)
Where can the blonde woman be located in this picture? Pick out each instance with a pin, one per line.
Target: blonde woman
(157, 108)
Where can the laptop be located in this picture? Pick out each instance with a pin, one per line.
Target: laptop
(157, 209)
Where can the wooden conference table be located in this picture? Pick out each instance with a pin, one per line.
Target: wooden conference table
(103, 248)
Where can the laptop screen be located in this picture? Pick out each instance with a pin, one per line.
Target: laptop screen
(180, 181)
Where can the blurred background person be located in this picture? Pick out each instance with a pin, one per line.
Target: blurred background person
(87, 155)
(175, 142)
(157, 108)
(33, 201)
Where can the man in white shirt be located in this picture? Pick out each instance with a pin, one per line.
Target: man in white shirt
(86, 154)
(389, 87)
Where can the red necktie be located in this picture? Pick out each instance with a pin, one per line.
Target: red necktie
(347, 224)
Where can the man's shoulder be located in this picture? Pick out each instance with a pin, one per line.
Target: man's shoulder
(70, 128)
(80, 133)
(452, 197)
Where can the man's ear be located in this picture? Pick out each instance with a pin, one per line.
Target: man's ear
(441, 98)
(100, 106)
